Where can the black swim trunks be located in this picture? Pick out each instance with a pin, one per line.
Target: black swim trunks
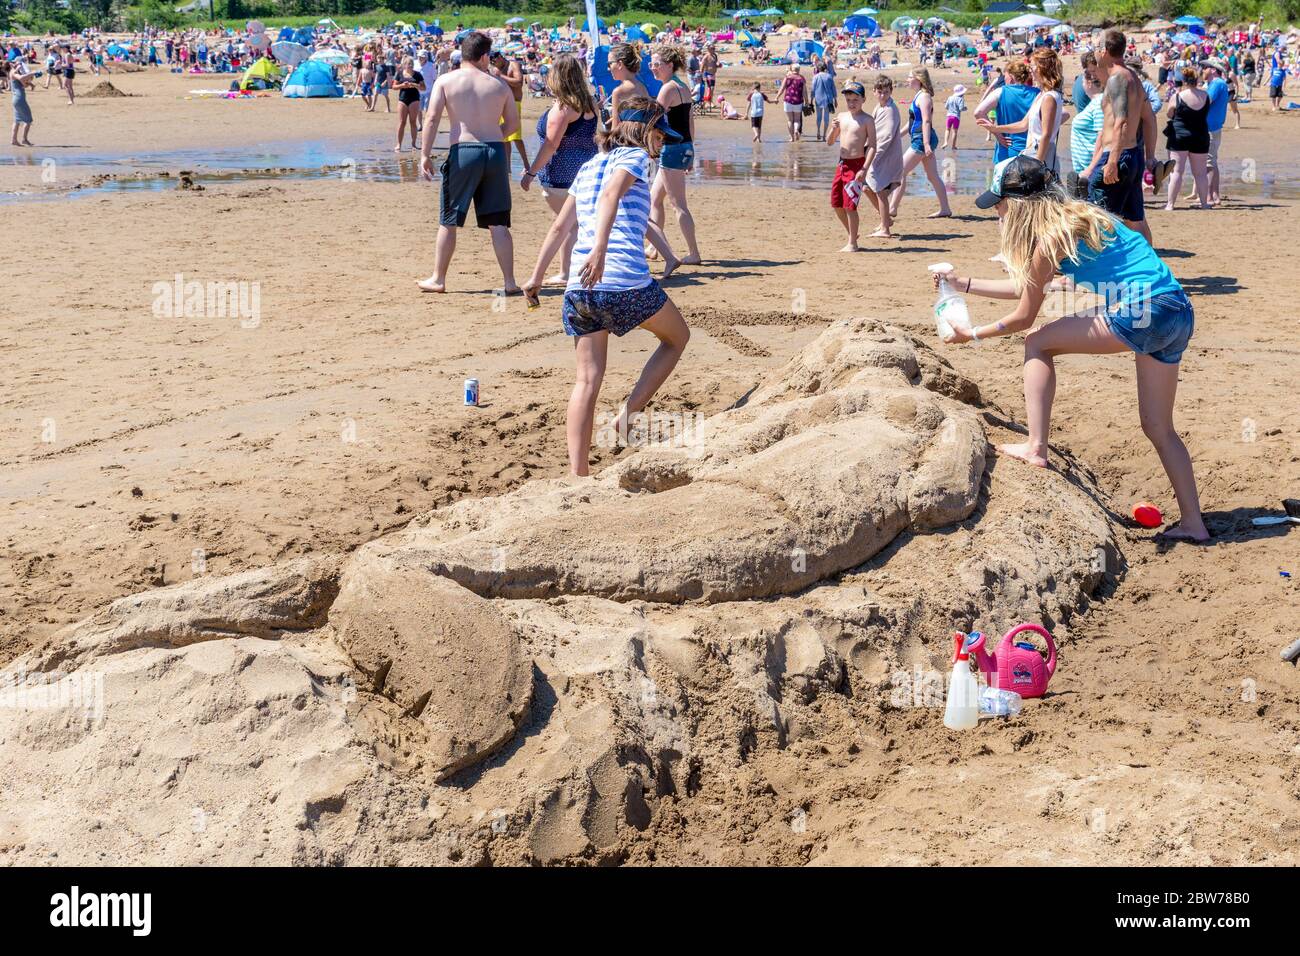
(478, 172)
(1123, 197)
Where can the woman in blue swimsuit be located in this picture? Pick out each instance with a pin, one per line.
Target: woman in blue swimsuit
(568, 134)
(924, 142)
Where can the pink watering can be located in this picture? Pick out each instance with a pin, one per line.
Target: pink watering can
(1016, 665)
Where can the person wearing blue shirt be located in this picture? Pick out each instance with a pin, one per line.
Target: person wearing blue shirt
(1080, 93)
(1146, 312)
(1009, 103)
(1217, 89)
(1277, 79)
(824, 99)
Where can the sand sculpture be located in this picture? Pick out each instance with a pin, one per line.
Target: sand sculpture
(529, 677)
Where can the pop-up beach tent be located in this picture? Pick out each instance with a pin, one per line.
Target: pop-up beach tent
(600, 75)
(803, 51)
(312, 78)
(262, 75)
(862, 24)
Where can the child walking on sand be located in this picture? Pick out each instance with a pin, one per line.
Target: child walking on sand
(757, 101)
(610, 288)
(885, 171)
(1146, 312)
(856, 133)
(954, 106)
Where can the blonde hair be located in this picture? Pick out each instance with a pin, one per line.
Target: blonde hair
(923, 77)
(1051, 223)
(1018, 70)
(674, 56)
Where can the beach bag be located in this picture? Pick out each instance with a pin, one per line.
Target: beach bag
(807, 108)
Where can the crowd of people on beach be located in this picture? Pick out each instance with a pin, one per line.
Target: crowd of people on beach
(609, 162)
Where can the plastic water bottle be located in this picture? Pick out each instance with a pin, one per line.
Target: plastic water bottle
(950, 311)
(995, 702)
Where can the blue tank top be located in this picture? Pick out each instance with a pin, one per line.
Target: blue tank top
(1126, 270)
(915, 126)
(1013, 103)
(576, 147)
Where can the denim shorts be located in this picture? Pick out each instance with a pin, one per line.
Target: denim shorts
(596, 310)
(918, 141)
(677, 156)
(1159, 326)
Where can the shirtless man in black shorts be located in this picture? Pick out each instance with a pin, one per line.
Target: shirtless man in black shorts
(481, 111)
(1127, 143)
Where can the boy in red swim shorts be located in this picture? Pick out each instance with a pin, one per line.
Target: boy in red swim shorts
(856, 133)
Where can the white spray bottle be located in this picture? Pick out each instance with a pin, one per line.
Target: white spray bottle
(963, 708)
(950, 310)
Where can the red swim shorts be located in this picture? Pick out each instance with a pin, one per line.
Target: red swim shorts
(845, 173)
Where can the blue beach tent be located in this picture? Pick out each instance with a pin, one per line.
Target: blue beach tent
(312, 78)
(804, 50)
(600, 75)
(861, 24)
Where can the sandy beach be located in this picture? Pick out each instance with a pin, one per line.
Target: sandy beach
(147, 450)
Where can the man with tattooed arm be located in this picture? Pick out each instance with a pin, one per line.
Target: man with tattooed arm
(1127, 145)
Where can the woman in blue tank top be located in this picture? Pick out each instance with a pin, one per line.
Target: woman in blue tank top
(924, 141)
(1009, 103)
(1144, 310)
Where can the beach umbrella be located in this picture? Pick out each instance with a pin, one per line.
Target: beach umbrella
(290, 54)
(1186, 38)
(514, 20)
(649, 29)
(772, 12)
(332, 57)
(1061, 29)
(865, 12)
(1190, 22)
(746, 13)
(1157, 25)
(902, 23)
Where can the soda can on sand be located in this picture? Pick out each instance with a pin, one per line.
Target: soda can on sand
(471, 391)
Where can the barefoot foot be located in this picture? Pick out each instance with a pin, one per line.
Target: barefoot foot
(1192, 532)
(429, 285)
(1025, 453)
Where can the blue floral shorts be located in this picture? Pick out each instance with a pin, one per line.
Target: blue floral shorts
(594, 310)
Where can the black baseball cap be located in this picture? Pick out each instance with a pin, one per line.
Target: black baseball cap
(1020, 177)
